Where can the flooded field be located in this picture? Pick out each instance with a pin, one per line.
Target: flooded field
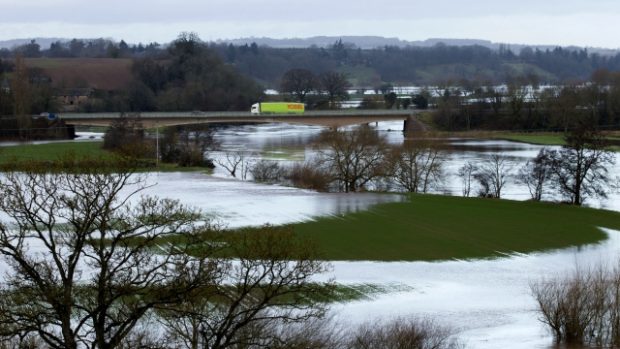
(236, 203)
(287, 143)
(487, 301)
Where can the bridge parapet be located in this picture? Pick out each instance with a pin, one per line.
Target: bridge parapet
(329, 118)
(235, 114)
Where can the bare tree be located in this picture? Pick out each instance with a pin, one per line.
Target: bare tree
(299, 82)
(267, 287)
(335, 86)
(354, 158)
(535, 174)
(492, 175)
(466, 173)
(126, 136)
(417, 167)
(83, 267)
(236, 163)
(580, 169)
(188, 145)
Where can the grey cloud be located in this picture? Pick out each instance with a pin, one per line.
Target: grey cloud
(244, 11)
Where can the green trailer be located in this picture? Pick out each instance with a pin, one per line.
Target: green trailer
(278, 108)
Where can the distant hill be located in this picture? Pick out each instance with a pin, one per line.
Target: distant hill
(363, 42)
(369, 42)
(43, 42)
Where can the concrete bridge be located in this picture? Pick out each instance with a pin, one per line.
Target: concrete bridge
(328, 118)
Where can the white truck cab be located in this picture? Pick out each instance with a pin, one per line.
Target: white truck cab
(255, 108)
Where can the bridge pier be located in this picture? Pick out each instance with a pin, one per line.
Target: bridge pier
(408, 124)
(411, 124)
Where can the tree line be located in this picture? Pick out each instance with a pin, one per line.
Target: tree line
(83, 48)
(414, 65)
(362, 160)
(189, 74)
(525, 105)
(388, 64)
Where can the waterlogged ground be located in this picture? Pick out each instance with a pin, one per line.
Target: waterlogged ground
(237, 203)
(487, 301)
(287, 143)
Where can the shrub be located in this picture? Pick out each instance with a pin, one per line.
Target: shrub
(583, 308)
(309, 176)
(403, 334)
(267, 171)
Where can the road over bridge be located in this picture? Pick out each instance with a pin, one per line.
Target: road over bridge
(328, 118)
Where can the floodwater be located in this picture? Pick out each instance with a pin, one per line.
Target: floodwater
(487, 301)
(241, 203)
(286, 143)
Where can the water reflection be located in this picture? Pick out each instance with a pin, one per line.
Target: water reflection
(294, 143)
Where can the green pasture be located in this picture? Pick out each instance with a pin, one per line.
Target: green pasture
(432, 227)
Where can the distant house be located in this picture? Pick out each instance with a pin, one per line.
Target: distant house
(70, 99)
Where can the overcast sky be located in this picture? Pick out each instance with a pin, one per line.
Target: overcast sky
(564, 22)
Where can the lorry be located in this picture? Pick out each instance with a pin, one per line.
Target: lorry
(277, 108)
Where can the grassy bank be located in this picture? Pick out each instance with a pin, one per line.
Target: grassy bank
(50, 152)
(550, 138)
(539, 138)
(534, 138)
(432, 227)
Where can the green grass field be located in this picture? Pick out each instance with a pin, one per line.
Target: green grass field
(439, 227)
(535, 138)
(545, 138)
(50, 152)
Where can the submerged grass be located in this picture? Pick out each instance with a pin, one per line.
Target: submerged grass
(535, 138)
(354, 292)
